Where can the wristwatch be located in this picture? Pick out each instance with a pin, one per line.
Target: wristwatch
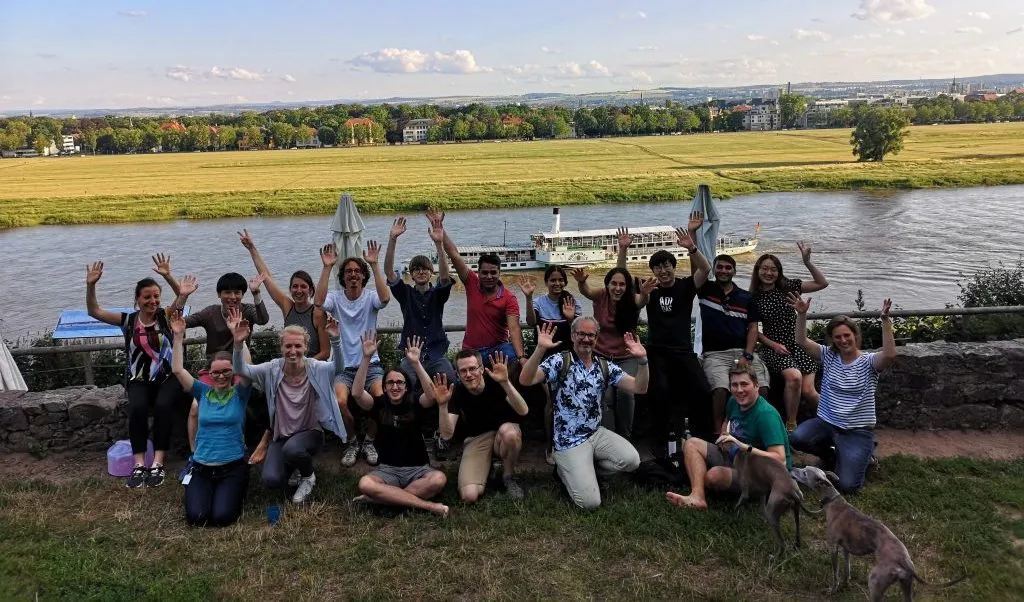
(748, 356)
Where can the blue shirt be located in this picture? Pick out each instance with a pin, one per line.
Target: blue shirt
(422, 314)
(220, 438)
(723, 318)
(577, 401)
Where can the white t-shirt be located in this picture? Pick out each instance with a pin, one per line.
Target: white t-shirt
(355, 317)
(847, 390)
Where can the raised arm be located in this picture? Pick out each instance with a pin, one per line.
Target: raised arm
(442, 395)
(413, 349)
(453, 253)
(527, 285)
(531, 373)
(93, 273)
(397, 229)
(581, 275)
(240, 331)
(625, 240)
(358, 391)
(499, 374)
(178, 352)
(186, 287)
(646, 288)
(162, 266)
(280, 297)
(436, 233)
(883, 360)
(320, 325)
(637, 384)
(699, 266)
(801, 306)
(380, 283)
(334, 330)
(819, 281)
(329, 257)
(262, 316)
(515, 332)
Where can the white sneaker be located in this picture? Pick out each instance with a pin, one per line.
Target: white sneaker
(293, 481)
(305, 488)
(348, 459)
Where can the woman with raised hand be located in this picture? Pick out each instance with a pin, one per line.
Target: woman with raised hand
(404, 476)
(296, 304)
(849, 378)
(219, 475)
(148, 384)
(300, 402)
(779, 349)
(617, 310)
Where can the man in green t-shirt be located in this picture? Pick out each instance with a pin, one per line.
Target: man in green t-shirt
(750, 422)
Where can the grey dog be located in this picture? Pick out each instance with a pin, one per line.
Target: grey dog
(850, 530)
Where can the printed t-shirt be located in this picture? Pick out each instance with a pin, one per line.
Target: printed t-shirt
(669, 315)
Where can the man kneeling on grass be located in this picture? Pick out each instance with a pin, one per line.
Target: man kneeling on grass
(404, 476)
(750, 423)
(578, 381)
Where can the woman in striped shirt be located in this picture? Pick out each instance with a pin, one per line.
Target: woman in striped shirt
(849, 377)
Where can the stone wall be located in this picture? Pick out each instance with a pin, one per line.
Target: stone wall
(932, 386)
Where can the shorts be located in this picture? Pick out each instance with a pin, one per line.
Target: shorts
(716, 457)
(348, 375)
(400, 476)
(476, 458)
(718, 363)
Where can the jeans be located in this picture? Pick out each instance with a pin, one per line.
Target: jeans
(617, 414)
(215, 494)
(432, 365)
(576, 467)
(505, 348)
(161, 396)
(291, 453)
(678, 390)
(853, 449)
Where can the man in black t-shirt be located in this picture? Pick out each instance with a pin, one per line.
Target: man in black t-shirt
(404, 476)
(678, 388)
(490, 409)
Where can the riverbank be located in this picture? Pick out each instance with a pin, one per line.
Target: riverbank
(136, 188)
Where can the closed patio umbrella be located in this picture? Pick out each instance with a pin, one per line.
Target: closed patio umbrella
(348, 228)
(707, 242)
(10, 376)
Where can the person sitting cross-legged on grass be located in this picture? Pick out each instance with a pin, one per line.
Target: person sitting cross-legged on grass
(220, 473)
(490, 408)
(300, 402)
(404, 476)
(580, 440)
(750, 423)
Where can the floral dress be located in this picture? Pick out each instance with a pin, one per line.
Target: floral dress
(778, 323)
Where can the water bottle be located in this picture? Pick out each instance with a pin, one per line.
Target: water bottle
(273, 514)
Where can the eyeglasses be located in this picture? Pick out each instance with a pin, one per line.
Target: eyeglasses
(395, 383)
(220, 372)
(469, 370)
(355, 271)
(586, 335)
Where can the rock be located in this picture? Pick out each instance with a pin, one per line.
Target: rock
(12, 419)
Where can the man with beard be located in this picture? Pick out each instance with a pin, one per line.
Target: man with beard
(725, 332)
(578, 380)
(679, 389)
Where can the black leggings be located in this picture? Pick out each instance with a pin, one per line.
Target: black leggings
(161, 396)
(215, 494)
(286, 454)
(678, 390)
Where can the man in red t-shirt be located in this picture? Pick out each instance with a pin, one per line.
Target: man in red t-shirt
(492, 311)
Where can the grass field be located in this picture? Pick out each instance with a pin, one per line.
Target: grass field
(92, 539)
(470, 175)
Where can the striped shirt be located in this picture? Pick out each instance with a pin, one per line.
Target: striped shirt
(847, 390)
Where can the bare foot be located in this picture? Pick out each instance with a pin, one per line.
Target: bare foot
(686, 501)
(442, 510)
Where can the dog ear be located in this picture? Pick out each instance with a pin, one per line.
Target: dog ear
(832, 477)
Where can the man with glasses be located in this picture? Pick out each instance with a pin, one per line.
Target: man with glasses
(490, 409)
(578, 381)
(679, 389)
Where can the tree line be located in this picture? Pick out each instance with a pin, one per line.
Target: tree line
(284, 128)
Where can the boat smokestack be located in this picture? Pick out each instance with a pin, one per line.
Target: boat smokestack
(558, 220)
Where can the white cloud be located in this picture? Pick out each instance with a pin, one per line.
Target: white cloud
(39, 100)
(893, 11)
(643, 48)
(548, 50)
(402, 60)
(804, 34)
(288, 78)
(775, 42)
(132, 14)
(520, 70)
(980, 15)
(181, 73)
(235, 73)
(968, 30)
(641, 14)
(641, 76)
(896, 32)
(753, 37)
(589, 69)
(1017, 29)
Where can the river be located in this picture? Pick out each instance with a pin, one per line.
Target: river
(910, 245)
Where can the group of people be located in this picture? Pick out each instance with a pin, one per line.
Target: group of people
(583, 375)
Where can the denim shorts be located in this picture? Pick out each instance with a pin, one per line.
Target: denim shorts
(348, 376)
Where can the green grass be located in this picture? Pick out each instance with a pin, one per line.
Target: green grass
(95, 540)
(72, 190)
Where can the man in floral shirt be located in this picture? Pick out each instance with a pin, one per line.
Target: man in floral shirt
(580, 441)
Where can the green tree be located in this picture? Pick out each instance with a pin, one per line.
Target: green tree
(197, 137)
(460, 129)
(791, 108)
(40, 143)
(282, 134)
(327, 135)
(879, 132)
(227, 136)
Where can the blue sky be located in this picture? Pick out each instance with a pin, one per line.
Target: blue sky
(125, 53)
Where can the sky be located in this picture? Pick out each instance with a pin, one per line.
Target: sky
(133, 53)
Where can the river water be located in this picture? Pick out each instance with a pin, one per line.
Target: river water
(910, 245)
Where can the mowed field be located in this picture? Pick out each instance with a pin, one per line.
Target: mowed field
(96, 189)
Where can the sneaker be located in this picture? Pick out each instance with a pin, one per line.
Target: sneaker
(156, 476)
(513, 488)
(137, 478)
(370, 453)
(442, 447)
(293, 481)
(348, 459)
(305, 488)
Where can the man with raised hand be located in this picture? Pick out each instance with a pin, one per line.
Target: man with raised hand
(490, 409)
(579, 381)
(355, 308)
